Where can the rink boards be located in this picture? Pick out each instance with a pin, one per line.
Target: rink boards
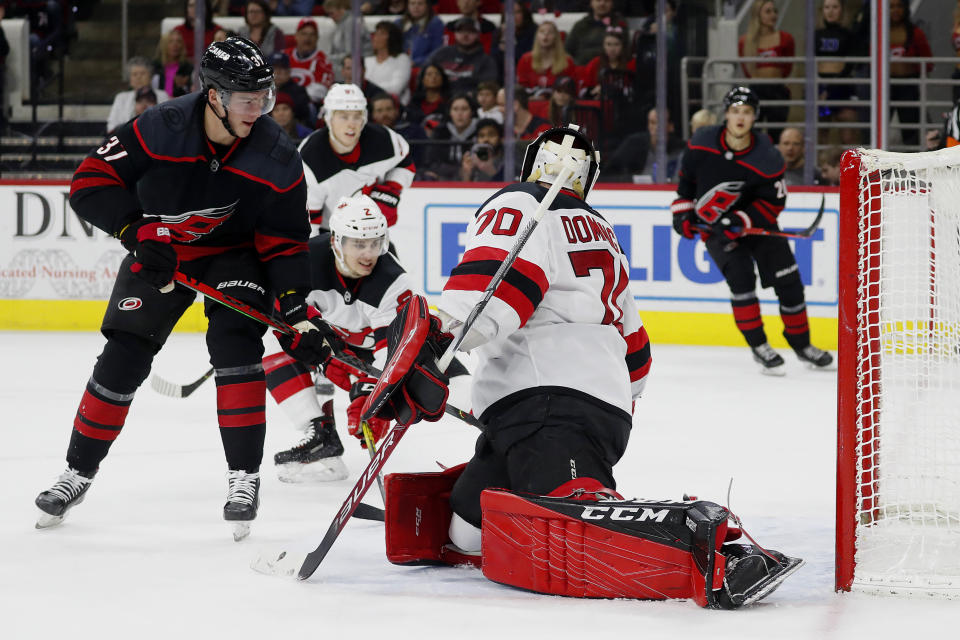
(56, 271)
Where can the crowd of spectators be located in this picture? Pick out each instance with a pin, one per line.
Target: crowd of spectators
(441, 84)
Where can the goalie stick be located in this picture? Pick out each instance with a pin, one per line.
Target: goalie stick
(356, 364)
(313, 559)
(775, 233)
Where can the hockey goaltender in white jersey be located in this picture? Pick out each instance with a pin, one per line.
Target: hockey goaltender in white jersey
(562, 355)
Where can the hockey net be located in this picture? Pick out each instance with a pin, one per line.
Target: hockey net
(898, 470)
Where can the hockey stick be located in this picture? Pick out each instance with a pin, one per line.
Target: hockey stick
(356, 364)
(313, 559)
(166, 388)
(372, 448)
(776, 233)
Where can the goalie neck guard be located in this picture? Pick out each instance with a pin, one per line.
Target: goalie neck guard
(543, 159)
(357, 217)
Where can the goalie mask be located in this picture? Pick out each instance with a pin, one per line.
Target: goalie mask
(360, 218)
(344, 97)
(543, 160)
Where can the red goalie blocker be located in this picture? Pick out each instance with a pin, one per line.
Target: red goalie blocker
(604, 549)
(417, 520)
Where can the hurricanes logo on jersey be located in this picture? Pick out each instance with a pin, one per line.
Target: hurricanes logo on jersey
(189, 226)
(717, 201)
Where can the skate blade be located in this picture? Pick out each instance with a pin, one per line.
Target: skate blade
(324, 470)
(45, 520)
(776, 581)
(774, 371)
(240, 530)
(283, 563)
(830, 367)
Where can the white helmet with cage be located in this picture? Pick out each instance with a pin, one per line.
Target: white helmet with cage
(344, 97)
(544, 157)
(357, 217)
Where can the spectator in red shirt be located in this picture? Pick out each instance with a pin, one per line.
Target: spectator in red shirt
(308, 64)
(186, 29)
(906, 41)
(764, 40)
(539, 69)
(615, 56)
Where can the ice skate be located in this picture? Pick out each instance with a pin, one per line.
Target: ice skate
(67, 492)
(243, 498)
(317, 457)
(753, 574)
(771, 362)
(815, 358)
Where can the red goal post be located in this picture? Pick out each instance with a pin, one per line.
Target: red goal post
(898, 442)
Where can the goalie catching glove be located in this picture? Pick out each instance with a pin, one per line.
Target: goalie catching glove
(411, 387)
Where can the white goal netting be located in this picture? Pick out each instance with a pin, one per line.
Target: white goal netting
(908, 361)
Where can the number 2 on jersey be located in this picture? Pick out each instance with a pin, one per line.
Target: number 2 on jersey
(585, 261)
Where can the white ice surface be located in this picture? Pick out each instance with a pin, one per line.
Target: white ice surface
(148, 556)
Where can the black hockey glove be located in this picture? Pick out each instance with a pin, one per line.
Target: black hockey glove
(684, 217)
(293, 307)
(312, 344)
(148, 239)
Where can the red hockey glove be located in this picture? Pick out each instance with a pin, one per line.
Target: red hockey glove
(338, 373)
(387, 196)
(149, 240)
(683, 217)
(358, 395)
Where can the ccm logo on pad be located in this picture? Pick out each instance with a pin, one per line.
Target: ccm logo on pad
(623, 513)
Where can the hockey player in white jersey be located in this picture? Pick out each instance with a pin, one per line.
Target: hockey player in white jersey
(351, 155)
(356, 287)
(562, 356)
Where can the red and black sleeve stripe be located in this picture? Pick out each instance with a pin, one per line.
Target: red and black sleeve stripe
(638, 354)
(270, 247)
(522, 288)
(768, 212)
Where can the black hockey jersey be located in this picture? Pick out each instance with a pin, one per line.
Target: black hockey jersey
(719, 180)
(381, 155)
(162, 163)
(363, 307)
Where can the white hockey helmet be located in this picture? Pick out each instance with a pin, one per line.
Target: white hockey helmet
(357, 217)
(543, 160)
(344, 97)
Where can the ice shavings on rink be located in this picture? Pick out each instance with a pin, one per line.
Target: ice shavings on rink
(147, 555)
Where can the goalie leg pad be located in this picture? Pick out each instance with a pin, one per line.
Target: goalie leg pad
(418, 516)
(604, 549)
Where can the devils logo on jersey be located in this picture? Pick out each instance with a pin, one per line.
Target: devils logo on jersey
(191, 225)
(717, 201)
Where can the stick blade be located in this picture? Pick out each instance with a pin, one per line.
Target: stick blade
(165, 387)
(277, 563)
(313, 559)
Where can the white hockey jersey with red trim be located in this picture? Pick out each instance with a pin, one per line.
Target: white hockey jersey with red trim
(364, 308)
(564, 315)
(381, 155)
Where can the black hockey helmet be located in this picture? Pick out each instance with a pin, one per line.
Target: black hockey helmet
(741, 95)
(235, 64)
(544, 154)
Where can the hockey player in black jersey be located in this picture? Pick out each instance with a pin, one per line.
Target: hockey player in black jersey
(204, 185)
(731, 179)
(352, 155)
